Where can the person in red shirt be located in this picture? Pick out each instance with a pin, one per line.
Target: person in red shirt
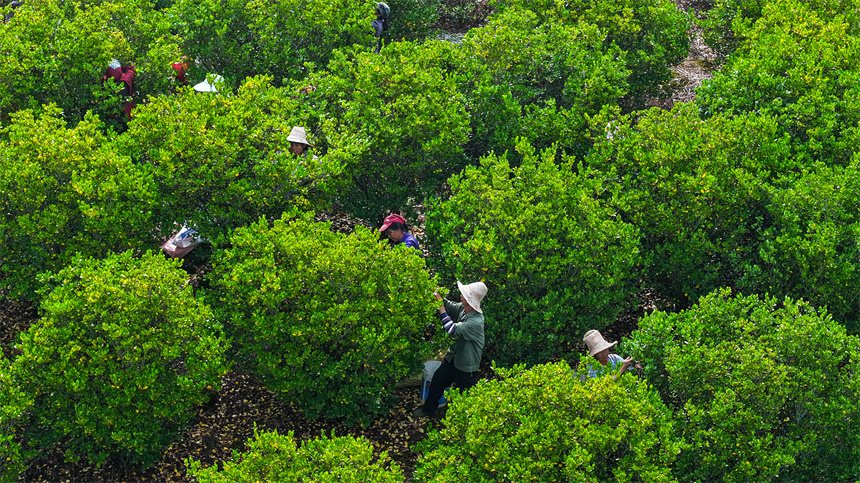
(123, 77)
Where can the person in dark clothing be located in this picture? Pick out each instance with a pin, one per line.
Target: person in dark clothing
(13, 6)
(381, 23)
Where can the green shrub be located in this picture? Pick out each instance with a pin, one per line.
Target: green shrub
(64, 193)
(651, 34)
(812, 250)
(222, 161)
(241, 38)
(14, 405)
(727, 22)
(402, 113)
(698, 191)
(56, 51)
(803, 69)
(524, 76)
(545, 424)
(761, 388)
(330, 322)
(271, 457)
(121, 356)
(557, 260)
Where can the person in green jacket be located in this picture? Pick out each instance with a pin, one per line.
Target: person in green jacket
(465, 323)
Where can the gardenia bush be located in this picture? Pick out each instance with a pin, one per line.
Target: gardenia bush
(556, 258)
(546, 424)
(222, 160)
(66, 193)
(56, 51)
(272, 457)
(401, 115)
(651, 35)
(801, 67)
(122, 354)
(761, 388)
(330, 322)
(811, 251)
(698, 191)
(14, 405)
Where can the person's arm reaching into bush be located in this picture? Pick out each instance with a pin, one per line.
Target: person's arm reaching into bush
(450, 313)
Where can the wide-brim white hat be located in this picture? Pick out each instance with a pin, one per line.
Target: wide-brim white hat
(596, 343)
(298, 135)
(205, 86)
(473, 293)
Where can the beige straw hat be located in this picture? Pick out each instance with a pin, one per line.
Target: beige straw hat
(595, 342)
(473, 293)
(298, 135)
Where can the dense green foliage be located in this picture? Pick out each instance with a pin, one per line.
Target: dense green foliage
(525, 76)
(514, 143)
(272, 457)
(812, 249)
(556, 259)
(65, 192)
(411, 20)
(697, 190)
(14, 403)
(57, 51)
(545, 424)
(727, 23)
(221, 161)
(652, 35)
(242, 38)
(330, 322)
(121, 355)
(761, 388)
(403, 112)
(801, 67)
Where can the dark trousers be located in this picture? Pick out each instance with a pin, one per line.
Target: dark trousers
(446, 375)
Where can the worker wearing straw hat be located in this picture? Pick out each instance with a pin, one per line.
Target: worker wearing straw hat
(465, 322)
(598, 348)
(298, 139)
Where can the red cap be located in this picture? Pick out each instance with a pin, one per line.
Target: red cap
(392, 219)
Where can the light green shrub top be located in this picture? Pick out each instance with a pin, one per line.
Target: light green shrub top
(121, 356)
(272, 457)
(545, 424)
(761, 388)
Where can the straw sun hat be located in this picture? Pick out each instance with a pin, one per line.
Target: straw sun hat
(473, 293)
(596, 343)
(298, 135)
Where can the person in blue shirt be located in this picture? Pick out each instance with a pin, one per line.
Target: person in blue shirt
(598, 348)
(394, 227)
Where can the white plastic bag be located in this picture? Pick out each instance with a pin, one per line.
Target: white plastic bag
(182, 242)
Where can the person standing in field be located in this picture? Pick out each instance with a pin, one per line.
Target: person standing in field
(464, 321)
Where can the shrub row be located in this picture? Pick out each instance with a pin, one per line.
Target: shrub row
(124, 351)
(272, 457)
(114, 367)
(739, 388)
(761, 388)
